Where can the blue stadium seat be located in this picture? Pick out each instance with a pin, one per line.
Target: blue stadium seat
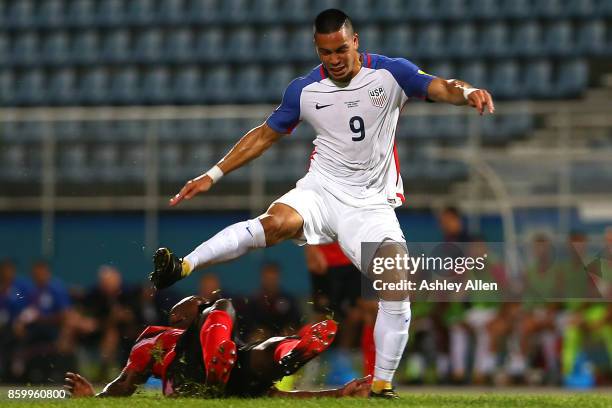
(85, 47)
(591, 38)
(217, 85)
(474, 73)
(451, 9)
(171, 161)
(241, 44)
(370, 38)
(272, 43)
(210, 44)
(50, 13)
(558, 39)
(133, 162)
(294, 10)
(484, 8)
(504, 80)
(68, 130)
(414, 127)
(388, 9)
(55, 47)
(461, 41)
(430, 41)
(81, 12)
(111, 11)
(361, 9)
(5, 48)
(538, 79)
(516, 8)
(94, 87)
(604, 8)
(105, 162)
(31, 87)
(494, 40)
(200, 155)
(14, 163)
(398, 41)
(116, 45)
(179, 45)
(124, 86)
(26, 47)
(300, 43)
(141, 11)
(266, 10)
(580, 8)
(573, 78)
(7, 87)
(21, 14)
(73, 162)
(418, 9)
(62, 87)
(276, 80)
(548, 8)
(172, 11)
(235, 10)
(188, 84)
(527, 39)
(148, 45)
(156, 86)
(204, 11)
(249, 84)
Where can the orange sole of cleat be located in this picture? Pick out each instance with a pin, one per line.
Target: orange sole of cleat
(220, 365)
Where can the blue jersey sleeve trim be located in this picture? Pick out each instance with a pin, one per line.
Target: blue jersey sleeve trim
(287, 116)
(410, 78)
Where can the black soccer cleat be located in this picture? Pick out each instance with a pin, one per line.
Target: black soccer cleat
(387, 393)
(168, 269)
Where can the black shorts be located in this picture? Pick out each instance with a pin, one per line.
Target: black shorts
(342, 286)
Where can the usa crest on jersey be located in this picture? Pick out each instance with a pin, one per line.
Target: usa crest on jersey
(378, 96)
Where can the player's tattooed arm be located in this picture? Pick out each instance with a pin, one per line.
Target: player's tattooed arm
(459, 92)
(250, 146)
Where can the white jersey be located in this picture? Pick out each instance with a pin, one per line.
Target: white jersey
(355, 157)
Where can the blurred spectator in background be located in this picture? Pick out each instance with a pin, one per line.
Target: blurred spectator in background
(13, 299)
(210, 287)
(452, 227)
(38, 327)
(271, 311)
(154, 306)
(112, 308)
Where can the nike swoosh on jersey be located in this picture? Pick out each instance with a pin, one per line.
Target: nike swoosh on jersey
(317, 106)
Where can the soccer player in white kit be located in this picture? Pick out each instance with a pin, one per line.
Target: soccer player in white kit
(353, 101)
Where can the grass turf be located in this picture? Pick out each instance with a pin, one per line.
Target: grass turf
(480, 399)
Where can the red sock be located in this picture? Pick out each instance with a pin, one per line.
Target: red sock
(368, 348)
(284, 348)
(216, 328)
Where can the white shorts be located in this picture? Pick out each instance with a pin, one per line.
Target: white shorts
(328, 219)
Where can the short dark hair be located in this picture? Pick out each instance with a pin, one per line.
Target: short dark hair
(332, 20)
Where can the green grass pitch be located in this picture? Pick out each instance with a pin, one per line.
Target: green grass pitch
(426, 399)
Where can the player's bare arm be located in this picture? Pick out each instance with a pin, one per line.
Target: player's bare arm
(122, 386)
(459, 93)
(250, 146)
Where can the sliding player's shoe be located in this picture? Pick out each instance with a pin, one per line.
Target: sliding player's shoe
(219, 365)
(314, 339)
(168, 269)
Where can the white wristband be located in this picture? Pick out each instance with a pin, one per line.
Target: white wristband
(467, 91)
(215, 173)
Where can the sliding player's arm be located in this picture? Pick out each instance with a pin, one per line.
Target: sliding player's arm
(251, 146)
(122, 386)
(458, 92)
(357, 388)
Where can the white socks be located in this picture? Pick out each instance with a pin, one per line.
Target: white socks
(390, 337)
(230, 243)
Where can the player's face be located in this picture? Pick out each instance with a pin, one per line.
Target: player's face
(338, 54)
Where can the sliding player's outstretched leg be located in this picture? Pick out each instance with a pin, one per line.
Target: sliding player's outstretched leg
(279, 223)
